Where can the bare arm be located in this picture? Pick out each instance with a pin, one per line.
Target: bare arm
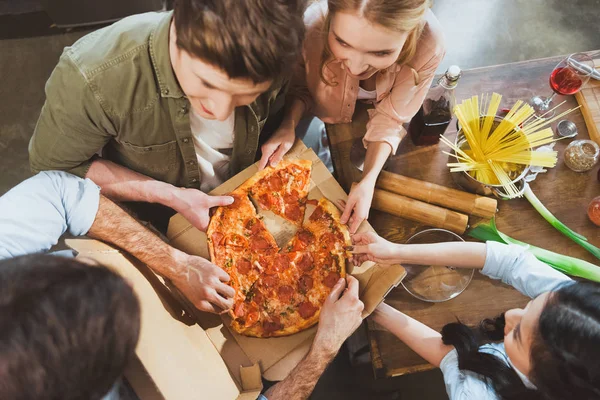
(199, 280)
(122, 184)
(356, 209)
(370, 246)
(423, 340)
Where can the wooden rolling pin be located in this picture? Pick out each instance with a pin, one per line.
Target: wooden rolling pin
(468, 203)
(419, 211)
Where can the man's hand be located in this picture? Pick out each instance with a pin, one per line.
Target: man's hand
(195, 205)
(356, 209)
(369, 246)
(275, 148)
(203, 283)
(340, 316)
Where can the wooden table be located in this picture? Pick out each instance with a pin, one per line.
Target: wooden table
(565, 193)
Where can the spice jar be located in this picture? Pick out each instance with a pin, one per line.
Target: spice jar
(594, 211)
(582, 155)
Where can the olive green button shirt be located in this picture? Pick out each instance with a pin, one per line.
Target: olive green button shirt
(115, 91)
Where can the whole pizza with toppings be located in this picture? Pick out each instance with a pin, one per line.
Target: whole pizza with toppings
(278, 291)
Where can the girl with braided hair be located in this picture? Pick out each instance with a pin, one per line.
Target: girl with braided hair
(550, 349)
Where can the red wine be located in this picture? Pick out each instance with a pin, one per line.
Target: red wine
(565, 81)
(426, 130)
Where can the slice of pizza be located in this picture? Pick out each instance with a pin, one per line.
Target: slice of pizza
(282, 189)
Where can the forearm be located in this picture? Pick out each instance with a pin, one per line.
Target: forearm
(456, 254)
(300, 383)
(122, 184)
(113, 225)
(423, 340)
(377, 155)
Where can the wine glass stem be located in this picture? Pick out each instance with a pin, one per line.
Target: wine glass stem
(548, 101)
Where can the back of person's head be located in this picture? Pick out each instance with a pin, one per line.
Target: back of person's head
(67, 329)
(402, 16)
(255, 39)
(565, 351)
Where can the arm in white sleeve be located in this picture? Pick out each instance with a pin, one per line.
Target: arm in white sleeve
(517, 267)
(37, 212)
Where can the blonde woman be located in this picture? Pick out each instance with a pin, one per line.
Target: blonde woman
(380, 51)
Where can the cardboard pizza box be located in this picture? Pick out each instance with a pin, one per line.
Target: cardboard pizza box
(183, 353)
(277, 356)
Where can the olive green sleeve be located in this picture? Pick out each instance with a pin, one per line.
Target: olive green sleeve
(72, 126)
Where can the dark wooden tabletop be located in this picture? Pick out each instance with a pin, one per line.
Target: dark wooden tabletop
(563, 192)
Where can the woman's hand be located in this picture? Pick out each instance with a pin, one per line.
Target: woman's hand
(356, 208)
(369, 246)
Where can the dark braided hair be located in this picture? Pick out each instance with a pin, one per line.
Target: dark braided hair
(565, 353)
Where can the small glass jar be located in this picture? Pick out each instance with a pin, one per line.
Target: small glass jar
(582, 155)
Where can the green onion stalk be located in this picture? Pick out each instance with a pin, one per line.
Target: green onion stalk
(562, 228)
(568, 265)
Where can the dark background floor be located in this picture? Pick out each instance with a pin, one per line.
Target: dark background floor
(478, 33)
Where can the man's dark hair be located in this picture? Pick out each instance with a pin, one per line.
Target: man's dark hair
(255, 39)
(67, 329)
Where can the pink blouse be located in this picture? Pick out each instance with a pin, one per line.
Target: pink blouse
(400, 89)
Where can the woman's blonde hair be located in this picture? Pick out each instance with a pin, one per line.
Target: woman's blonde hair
(397, 15)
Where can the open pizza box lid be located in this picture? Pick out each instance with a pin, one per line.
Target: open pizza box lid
(201, 356)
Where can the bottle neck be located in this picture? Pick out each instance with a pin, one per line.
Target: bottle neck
(447, 83)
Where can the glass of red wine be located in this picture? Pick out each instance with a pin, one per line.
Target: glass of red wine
(566, 78)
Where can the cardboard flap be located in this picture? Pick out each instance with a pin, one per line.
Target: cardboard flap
(180, 359)
(278, 356)
(251, 382)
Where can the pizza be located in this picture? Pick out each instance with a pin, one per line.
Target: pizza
(282, 190)
(278, 291)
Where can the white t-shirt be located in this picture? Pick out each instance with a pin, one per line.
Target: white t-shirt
(366, 94)
(213, 141)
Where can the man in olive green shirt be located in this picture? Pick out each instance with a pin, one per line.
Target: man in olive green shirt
(118, 104)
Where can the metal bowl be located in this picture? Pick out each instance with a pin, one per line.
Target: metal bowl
(467, 182)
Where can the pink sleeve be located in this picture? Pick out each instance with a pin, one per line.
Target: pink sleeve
(403, 102)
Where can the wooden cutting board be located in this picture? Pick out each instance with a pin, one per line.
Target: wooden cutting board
(589, 99)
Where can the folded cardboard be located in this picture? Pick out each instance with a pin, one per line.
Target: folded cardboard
(205, 359)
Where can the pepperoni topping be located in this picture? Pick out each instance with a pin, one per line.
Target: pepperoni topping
(253, 225)
(317, 214)
(306, 262)
(257, 297)
(293, 212)
(275, 183)
(331, 279)
(305, 283)
(306, 237)
(236, 240)
(306, 309)
(270, 280)
(260, 243)
(291, 198)
(328, 240)
(267, 200)
(244, 266)
(237, 201)
(273, 325)
(216, 238)
(314, 202)
(285, 293)
(281, 263)
(239, 310)
(252, 317)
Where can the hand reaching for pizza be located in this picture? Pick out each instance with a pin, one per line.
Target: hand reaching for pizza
(369, 246)
(277, 146)
(356, 208)
(340, 316)
(203, 283)
(195, 205)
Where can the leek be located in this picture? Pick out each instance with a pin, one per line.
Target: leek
(562, 228)
(565, 264)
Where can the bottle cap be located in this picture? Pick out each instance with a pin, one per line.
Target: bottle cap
(453, 73)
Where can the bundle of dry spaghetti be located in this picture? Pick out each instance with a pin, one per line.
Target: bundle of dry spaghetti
(496, 153)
